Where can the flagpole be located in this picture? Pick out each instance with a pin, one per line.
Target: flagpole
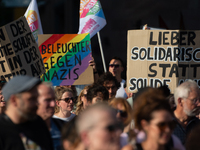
(101, 49)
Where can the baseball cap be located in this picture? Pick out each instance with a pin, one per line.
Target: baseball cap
(19, 84)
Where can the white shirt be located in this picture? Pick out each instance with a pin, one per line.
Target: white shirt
(121, 92)
(66, 119)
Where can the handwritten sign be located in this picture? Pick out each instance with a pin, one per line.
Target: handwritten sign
(162, 57)
(66, 58)
(19, 53)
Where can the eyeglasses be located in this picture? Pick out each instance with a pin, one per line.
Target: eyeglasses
(194, 101)
(113, 127)
(114, 65)
(67, 100)
(122, 113)
(163, 125)
(84, 95)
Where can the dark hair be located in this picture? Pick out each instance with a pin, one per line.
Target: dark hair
(149, 101)
(69, 133)
(2, 83)
(94, 89)
(165, 90)
(107, 77)
(126, 106)
(119, 59)
(192, 141)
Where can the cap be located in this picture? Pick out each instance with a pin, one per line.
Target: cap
(19, 84)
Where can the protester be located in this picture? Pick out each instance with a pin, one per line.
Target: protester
(187, 102)
(64, 104)
(70, 138)
(46, 106)
(20, 127)
(110, 83)
(82, 100)
(2, 102)
(116, 68)
(97, 93)
(153, 115)
(124, 111)
(98, 128)
(192, 142)
(172, 101)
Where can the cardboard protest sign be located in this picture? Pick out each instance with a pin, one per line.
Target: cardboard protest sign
(66, 58)
(19, 53)
(162, 57)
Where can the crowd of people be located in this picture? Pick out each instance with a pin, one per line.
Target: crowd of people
(103, 116)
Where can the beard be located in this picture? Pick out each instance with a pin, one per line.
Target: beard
(27, 113)
(189, 112)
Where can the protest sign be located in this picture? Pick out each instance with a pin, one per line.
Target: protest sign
(66, 58)
(19, 53)
(162, 57)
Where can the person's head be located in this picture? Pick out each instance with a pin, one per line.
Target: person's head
(64, 99)
(98, 127)
(110, 83)
(171, 101)
(154, 116)
(97, 93)
(46, 100)
(82, 102)
(192, 142)
(21, 94)
(186, 97)
(73, 87)
(2, 102)
(116, 66)
(69, 135)
(123, 110)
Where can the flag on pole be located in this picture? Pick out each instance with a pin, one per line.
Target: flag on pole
(33, 18)
(92, 18)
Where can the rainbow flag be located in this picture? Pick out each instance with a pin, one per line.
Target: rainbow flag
(33, 18)
(66, 58)
(92, 18)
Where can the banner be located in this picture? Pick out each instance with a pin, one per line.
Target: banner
(162, 57)
(92, 18)
(33, 18)
(19, 53)
(66, 58)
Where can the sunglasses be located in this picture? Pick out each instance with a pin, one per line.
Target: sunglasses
(114, 65)
(67, 100)
(122, 113)
(84, 95)
(113, 127)
(163, 125)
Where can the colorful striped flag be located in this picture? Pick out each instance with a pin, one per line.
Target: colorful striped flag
(66, 58)
(92, 18)
(33, 18)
